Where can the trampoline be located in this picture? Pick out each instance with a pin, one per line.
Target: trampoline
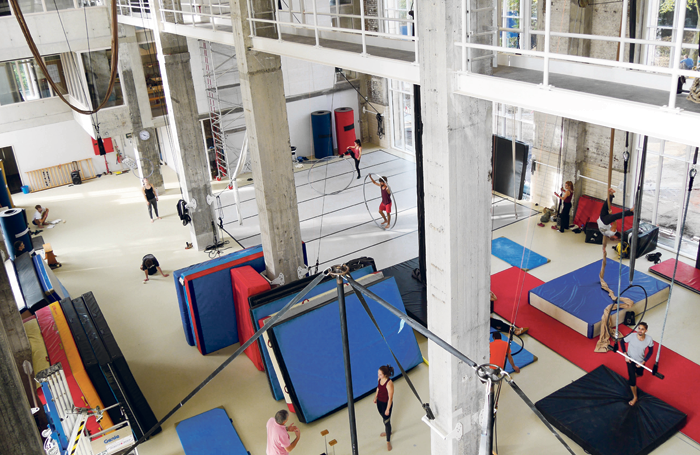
(211, 432)
(594, 412)
(577, 300)
(267, 303)
(686, 276)
(308, 347)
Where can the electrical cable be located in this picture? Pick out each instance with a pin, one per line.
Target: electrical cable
(380, 117)
(37, 56)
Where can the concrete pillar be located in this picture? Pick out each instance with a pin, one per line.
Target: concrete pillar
(457, 151)
(18, 431)
(188, 143)
(134, 87)
(262, 91)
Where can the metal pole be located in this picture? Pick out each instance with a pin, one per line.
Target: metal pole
(637, 208)
(346, 360)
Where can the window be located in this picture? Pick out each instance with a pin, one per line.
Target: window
(98, 68)
(23, 80)
(401, 96)
(665, 189)
(511, 121)
(395, 17)
(511, 13)
(663, 15)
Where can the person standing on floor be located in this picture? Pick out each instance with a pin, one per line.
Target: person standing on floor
(278, 441)
(356, 153)
(385, 205)
(150, 265)
(385, 399)
(150, 193)
(566, 196)
(638, 343)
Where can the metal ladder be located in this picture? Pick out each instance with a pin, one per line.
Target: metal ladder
(214, 105)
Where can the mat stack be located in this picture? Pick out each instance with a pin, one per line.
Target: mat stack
(306, 342)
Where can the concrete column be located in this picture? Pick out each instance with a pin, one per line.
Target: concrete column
(262, 91)
(188, 143)
(18, 431)
(456, 158)
(134, 86)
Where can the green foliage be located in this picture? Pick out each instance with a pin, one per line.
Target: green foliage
(668, 5)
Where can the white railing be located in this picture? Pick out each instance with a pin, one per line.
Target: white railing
(212, 14)
(134, 8)
(47, 6)
(524, 31)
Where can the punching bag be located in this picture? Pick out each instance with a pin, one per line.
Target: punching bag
(344, 128)
(321, 130)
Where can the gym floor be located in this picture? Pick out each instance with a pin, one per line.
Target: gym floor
(108, 231)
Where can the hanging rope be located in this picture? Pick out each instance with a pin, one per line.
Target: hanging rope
(692, 174)
(37, 57)
(320, 229)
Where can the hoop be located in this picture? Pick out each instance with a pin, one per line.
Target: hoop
(146, 168)
(327, 161)
(395, 210)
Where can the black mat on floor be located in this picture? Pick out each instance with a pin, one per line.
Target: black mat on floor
(594, 412)
(413, 293)
(135, 400)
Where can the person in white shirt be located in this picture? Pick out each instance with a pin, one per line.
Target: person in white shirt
(634, 346)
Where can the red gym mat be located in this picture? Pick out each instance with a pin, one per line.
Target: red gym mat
(678, 388)
(686, 275)
(588, 210)
(246, 282)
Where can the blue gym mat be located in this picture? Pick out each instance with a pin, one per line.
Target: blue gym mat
(309, 351)
(215, 286)
(273, 307)
(521, 359)
(211, 432)
(47, 285)
(579, 293)
(516, 255)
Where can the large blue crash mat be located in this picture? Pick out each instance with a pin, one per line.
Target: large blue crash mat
(309, 350)
(269, 303)
(210, 433)
(577, 300)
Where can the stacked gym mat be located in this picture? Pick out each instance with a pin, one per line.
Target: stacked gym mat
(308, 349)
(268, 303)
(105, 363)
(211, 432)
(246, 283)
(33, 284)
(34, 297)
(206, 298)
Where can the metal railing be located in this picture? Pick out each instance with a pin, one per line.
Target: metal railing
(134, 8)
(211, 14)
(48, 6)
(525, 31)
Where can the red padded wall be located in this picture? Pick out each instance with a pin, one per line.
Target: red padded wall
(344, 128)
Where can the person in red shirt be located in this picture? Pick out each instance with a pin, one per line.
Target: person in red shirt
(385, 205)
(385, 399)
(355, 152)
(278, 441)
(500, 349)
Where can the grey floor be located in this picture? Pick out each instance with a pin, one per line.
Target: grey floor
(108, 231)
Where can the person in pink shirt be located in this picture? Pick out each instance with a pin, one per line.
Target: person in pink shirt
(278, 441)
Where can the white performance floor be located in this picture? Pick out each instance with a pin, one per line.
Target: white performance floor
(108, 232)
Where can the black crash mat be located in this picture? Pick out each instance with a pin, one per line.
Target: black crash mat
(135, 400)
(594, 412)
(38, 243)
(92, 366)
(413, 293)
(32, 291)
(104, 361)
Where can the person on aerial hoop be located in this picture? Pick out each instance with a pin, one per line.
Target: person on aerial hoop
(606, 220)
(638, 343)
(385, 206)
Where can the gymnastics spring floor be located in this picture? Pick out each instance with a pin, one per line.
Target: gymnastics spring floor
(679, 388)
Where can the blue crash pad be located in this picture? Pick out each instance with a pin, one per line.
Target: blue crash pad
(516, 255)
(210, 433)
(309, 351)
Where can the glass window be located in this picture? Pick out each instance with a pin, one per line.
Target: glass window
(23, 80)
(5, 8)
(401, 95)
(98, 67)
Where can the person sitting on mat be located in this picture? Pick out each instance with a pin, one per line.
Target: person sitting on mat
(566, 195)
(606, 220)
(150, 265)
(356, 153)
(278, 441)
(638, 343)
(385, 205)
(385, 399)
(502, 326)
(500, 349)
(40, 217)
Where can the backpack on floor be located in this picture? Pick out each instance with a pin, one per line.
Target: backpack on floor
(182, 212)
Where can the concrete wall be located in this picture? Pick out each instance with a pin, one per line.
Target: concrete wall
(32, 114)
(49, 36)
(50, 145)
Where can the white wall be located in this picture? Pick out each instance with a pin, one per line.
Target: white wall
(302, 77)
(50, 145)
(299, 117)
(32, 114)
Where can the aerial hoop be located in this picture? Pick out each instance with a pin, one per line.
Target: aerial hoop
(325, 191)
(394, 207)
(143, 168)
